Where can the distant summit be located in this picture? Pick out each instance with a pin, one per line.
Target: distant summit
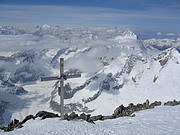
(45, 26)
(127, 34)
(11, 30)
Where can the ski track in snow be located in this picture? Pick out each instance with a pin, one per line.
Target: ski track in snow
(159, 121)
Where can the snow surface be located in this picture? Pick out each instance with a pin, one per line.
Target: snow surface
(159, 121)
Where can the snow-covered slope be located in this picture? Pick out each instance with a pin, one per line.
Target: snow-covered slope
(158, 121)
(116, 67)
(164, 43)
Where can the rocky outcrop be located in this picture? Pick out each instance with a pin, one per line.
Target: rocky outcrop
(19, 124)
(172, 103)
(27, 118)
(14, 124)
(120, 111)
(130, 62)
(165, 56)
(45, 114)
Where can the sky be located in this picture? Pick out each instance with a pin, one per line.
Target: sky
(162, 15)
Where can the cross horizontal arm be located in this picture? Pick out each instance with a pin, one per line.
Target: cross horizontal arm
(57, 78)
(73, 76)
(49, 78)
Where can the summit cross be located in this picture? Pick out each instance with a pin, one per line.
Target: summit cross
(62, 77)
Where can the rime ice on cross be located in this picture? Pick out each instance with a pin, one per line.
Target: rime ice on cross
(61, 79)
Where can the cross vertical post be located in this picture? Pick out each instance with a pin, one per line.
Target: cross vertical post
(63, 76)
(61, 89)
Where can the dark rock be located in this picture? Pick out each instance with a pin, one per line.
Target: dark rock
(107, 117)
(163, 62)
(73, 116)
(121, 85)
(95, 118)
(45, 114)
(16, 121)
(175, 102)
(11, 124)
(155, 79)
(134, 79)
(2, 127)
(83, 116)
(14, 124)
(169, 103)
(139, 107)
(172, 103)
(50, 116)
(145, 106)
(19, 126)
(27, 118)
(125, 113)
(113, 116)
(147, 102)
(7, 129)
(132, 107)
(91, 121)
(88, 116)
(66, 116)
(152, 105)
(157, 103)
(118, 110)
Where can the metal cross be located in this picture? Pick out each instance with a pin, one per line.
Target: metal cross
(61, 79)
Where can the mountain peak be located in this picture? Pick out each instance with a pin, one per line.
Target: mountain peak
(127, 34)
(45, 26)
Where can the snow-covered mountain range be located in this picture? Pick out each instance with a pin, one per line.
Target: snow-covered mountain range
(116, 66)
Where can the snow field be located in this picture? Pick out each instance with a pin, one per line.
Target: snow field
(158, 121)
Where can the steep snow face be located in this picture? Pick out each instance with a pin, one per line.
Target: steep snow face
(115, 69)
(127, 34)
(129, 40)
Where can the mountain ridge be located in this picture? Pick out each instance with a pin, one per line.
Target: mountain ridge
(113, 71)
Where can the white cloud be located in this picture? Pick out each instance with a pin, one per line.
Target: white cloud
(84, 63)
